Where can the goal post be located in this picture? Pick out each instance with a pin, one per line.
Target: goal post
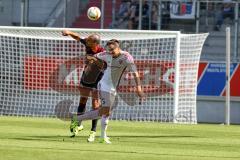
(41, 70)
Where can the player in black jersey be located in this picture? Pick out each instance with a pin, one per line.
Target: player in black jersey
(92, 74)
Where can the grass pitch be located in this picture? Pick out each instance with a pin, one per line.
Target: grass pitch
(39, 138)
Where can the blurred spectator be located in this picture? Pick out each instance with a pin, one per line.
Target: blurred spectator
(226, 11)
(124, 8)
(123, 14)
(165, 15)
(132, 20)
(134, 15)
(165, 21)
(154, 13)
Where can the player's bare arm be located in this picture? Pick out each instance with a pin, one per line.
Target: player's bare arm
(72, 34)
(100, 63)
(138, 85)
(91, 58)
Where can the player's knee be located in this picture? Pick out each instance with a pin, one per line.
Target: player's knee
(104, 111)
(95, 104)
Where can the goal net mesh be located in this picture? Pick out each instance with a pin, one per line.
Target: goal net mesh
(40, 72)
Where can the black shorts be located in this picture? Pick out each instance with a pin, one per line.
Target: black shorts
(92, 74)
(84, 83)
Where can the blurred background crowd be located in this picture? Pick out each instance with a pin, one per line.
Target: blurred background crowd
(187, 16)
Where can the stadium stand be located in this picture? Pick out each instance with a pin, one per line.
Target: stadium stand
(83, 22)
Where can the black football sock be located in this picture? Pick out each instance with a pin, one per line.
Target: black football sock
(81, 110)
(94, 125)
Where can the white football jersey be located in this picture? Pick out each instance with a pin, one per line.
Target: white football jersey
(115, 69)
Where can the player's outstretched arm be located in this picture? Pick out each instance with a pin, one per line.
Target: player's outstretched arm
(72, 34)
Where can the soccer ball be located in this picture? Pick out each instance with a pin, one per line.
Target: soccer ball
(94, 13)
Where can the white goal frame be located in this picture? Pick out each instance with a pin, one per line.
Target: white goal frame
(20, 45)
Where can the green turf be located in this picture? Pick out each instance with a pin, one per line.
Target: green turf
(38, 138)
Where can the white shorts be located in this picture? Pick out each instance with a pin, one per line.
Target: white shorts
(107, 95)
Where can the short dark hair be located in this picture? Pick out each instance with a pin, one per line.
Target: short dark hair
(113, 41)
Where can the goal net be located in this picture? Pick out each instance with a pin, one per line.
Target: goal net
(40, 72)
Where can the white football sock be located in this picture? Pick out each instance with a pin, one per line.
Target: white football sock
(104, 124)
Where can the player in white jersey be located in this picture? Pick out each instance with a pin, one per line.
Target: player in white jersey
(117, 61)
